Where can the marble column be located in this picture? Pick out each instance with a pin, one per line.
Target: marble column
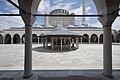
(109, 14)
(81, 40)
(52, 43)
(20, 40)
(27, 11)
(46, 43)
(38, 39)
(107, 51)
(70, 43)
(98, 40)
(12, 40)
(65, 43)
(107, 21)
(3, 40)
(89, 40)
(43, 40)
(61, 43)
(28, 51)
(77, 43)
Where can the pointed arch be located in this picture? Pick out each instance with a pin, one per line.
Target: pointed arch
(101, 38)
(1, 39)
(113, 39)
(94, 38)
(7, 39)
(16, 39)
(23, 38)
(118, 38)
(85, 38)
(40, 38)
(34, 38)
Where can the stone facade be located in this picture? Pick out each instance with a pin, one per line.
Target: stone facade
(89, 34)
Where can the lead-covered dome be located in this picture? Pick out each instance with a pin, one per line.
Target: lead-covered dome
(62, 20)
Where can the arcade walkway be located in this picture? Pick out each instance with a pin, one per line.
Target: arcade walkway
(60, 75)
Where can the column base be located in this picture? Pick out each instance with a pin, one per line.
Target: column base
(26, 77)
(107, 76)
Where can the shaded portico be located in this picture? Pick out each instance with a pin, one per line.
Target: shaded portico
(27, 10)
(107, 8)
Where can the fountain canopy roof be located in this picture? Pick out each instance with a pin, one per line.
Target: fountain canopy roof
(60, 30)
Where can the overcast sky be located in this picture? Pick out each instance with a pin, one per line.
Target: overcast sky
(45, 7)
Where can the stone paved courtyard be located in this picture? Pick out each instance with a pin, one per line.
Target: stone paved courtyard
(88, 56)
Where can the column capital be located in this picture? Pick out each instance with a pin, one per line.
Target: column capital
(107, 20)
(28, 19)
(108, 10)
(108, 25)
(28, 9)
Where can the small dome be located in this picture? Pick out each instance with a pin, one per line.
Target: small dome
(59, 11)
(72, 13)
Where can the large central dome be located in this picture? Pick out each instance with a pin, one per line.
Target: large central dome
(65, 21)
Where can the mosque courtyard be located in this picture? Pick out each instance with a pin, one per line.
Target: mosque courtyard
(88, 56)
(85, 62)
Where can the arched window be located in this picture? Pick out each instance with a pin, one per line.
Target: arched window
(61, 10)
(1, 39)
(113, 39)
(118, 38)
(85, 38)
(40, 38)
(8, 39)
(94, 38)
(16, 39)
(34, 38)
(23, 38)
(101, 38)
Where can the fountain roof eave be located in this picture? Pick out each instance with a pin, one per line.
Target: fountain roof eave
(61, 31)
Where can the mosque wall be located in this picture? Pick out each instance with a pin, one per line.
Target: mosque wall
(10, 33)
